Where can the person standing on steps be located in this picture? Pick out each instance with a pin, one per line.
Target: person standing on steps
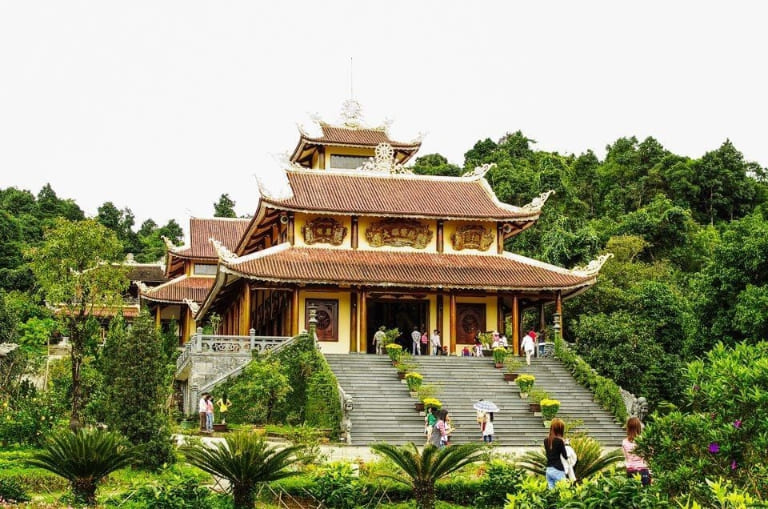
(488, 428)
(436, 343)
(209, 413)
(202, 409)
(378, 340)
(224, 404)
(529, 345)
(634, 464)
(415, 341)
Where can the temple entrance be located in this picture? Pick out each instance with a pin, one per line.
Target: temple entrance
(405, 315)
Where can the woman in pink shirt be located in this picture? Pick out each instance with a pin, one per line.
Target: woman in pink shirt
(634, 464)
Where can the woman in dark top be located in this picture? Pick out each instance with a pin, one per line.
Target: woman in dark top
(554, 446)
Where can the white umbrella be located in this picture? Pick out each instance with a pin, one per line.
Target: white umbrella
(485, 406)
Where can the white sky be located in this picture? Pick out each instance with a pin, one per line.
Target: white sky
(162, 106)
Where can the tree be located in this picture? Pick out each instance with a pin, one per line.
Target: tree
(121, 222)
(435, 164)
(137, 388)
(246, 461)
(421, 470)
(84, 458)
(75, 272)
(225, 207)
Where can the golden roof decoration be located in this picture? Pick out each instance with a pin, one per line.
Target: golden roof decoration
(384, 161)
(593, 267)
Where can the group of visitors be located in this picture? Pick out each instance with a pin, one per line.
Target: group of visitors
(437, 427)
(421, 342)
(205, 409)
(561, 458)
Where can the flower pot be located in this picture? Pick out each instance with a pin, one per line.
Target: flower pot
(499, 365)
(419, 406)
(414, 394)
(523, 395)
(510, 377)
(220, 428)
(401, 375)
(534, 407)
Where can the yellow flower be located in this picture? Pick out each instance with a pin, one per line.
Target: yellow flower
(42, 418)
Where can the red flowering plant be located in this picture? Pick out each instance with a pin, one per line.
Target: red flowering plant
(722, 433)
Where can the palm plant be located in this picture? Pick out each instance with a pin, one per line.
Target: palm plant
(591, 458)
(422, 470)
(246, 461)
(84, 458)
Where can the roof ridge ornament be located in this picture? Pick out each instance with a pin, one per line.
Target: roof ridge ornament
(539, 201)
(143, 288)
(352, 113)
(593, 267)
(479, 171)
(384, 162)
(170, 245)
(222, 251)
(193, 306)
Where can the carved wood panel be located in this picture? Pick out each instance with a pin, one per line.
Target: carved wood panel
(324, 230)
(327, 314)
(398, 233)
(470, 319)
(472, 236)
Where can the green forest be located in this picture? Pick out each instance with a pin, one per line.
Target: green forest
(679, 314)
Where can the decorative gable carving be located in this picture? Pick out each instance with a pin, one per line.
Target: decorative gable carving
(472, 236)
(398, 233)
(325, 230)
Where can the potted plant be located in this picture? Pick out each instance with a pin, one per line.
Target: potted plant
(511, 366)
(425, 392)
(499, 354)
(433, 403)
(525, 382)
(414, 381)
(549, 409)
(394, 351)
(405, 364)
(534, 400)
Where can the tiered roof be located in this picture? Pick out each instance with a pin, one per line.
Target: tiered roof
(180, 289)
(396, 195)
(312, 265)
(226, 230)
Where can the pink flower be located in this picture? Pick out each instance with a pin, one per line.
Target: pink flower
(714, 448)
(734, 465)
(737, 423)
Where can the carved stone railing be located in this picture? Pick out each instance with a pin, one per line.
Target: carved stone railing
(216, 344)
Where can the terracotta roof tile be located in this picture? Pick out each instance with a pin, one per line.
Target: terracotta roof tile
(358, 136)
(183, 287)
(416, 270)
(397, 195)
(226, 230)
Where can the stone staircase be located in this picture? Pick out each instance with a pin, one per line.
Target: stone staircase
(384, 411)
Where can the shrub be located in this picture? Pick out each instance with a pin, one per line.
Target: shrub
(323, 407)
(11, 491)
(413, 380)
(525, 382)
(500, 478)
(499, 354)
(28, 419)
(178, 492)
(394, 351)
(336, 485)
(549, 408)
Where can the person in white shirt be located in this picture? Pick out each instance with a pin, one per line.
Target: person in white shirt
(529, 345)
(436, 344)
(416, 341)
(202, 409)
(378, 340)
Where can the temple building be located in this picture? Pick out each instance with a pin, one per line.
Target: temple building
(362, 241)
(190, 272)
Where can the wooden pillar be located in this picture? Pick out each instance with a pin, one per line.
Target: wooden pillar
(515, 325)
(157, 317)
(353, 232)
(452, 318)
(353, 322)
(364, 320)
(439, 317)
(559, 310)
(295, 312)
(542, 317)
(499, 238)
(245, 310)
(440, 240)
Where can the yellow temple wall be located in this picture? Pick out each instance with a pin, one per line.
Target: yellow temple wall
(364, 222)
(300, 220)
(450, 228)
(342, 345)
